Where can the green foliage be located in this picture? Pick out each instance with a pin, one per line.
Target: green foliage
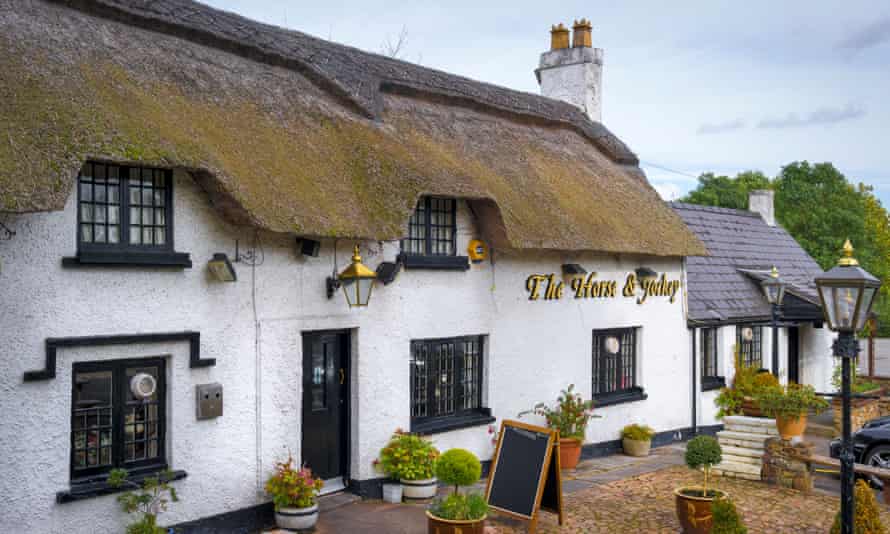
(820, 208)
(409, 457)
(703, 451)
(291, 487)
(457, 507)
(638, 432)
(857, 384)
(458, 467)
(571, 415)
(747, 382)
(148, 500)
(867, 517)
(725, 518)
(790, 402)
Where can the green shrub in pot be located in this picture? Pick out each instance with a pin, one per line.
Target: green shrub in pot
(458, 467)
(638, 432)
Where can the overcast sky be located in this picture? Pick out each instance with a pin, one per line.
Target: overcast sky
(698, 86)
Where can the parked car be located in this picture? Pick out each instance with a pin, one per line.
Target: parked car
(871, 446)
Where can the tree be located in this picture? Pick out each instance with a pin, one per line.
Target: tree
(726, 192)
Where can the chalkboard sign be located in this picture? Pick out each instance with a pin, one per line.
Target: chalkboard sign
(525, 472)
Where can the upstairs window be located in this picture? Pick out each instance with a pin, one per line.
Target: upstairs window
(750, 350)
(110, 426)
(433, 228)
(615, 366)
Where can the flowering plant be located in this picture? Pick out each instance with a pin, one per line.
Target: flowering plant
(291, 487)
(570, 416)
(408, 457)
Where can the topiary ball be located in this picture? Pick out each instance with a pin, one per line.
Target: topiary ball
(703, 451)
(458, 467)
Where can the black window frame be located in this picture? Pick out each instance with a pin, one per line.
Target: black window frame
(709, 355)
(601, 394)
(750, 352)
(431, 258)
(461, 416)
(120, 398)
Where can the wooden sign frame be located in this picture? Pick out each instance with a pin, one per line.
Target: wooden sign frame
(551, 462)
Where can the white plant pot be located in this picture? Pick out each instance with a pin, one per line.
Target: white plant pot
(419, 489)
(297, 518)
(392, 493)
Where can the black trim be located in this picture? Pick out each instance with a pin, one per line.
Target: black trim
(441, 263)
(129, 259)
(49, 369)
(242, 521)
(89, 490)
(605, 448)
(451, 422)
(709, 383)
(620, 397)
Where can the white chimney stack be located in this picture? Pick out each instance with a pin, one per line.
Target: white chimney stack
(573, 74)
(762, 201)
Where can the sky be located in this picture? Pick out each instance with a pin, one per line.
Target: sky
(691, 87)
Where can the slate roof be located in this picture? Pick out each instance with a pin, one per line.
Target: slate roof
(724, 286)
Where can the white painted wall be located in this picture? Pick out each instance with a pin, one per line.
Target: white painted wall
(533, 350)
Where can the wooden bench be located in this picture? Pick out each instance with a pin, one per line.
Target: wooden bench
(883, 474)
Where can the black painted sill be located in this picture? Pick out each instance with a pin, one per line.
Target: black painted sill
(440, 263)
(88, 490)
(483, 417)
(129, 259)
(610, 399)
(710, 383)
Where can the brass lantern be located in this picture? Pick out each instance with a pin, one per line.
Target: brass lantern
(357, 281)
(847, 292)
(774, 288)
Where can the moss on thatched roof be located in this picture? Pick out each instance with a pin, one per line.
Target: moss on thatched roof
(274, 149)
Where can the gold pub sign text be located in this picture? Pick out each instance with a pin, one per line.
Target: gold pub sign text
(546, 286)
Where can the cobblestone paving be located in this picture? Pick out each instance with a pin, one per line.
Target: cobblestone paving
(645, 504)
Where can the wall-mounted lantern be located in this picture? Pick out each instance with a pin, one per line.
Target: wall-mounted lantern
(645, 274)
(572, 271)
(357, 280)
(222, 268)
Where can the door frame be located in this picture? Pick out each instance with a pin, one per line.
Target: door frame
(345, 339)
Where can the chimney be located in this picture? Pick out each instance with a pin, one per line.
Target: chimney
(573, 75)
(762, 201)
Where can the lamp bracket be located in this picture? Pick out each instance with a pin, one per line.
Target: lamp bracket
(331, 285)
(845, 346)
(7, 232)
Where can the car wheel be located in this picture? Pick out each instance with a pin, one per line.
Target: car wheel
(878, 457)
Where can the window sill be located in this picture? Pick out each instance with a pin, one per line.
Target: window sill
(447, 424)
(621, 397)
(131, 259)
(441, 263)
(709, 383)
(88, 490)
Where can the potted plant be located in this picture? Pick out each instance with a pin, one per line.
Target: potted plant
(294, 493)
(694, 502)
(866, 513)
(789, 406)
(412, 460)
(148, 499)
(570, 418)
(458, 513)
(636, 440)
(741, 396)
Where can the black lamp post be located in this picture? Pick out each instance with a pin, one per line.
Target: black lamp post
(774, 289)
(847, 292)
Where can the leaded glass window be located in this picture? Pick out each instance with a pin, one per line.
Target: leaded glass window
(709, 352)
(446, 377)
(750, 350)
(614, 361)
(432, 228)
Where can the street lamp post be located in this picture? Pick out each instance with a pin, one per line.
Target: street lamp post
(774, 289)
(847, 292)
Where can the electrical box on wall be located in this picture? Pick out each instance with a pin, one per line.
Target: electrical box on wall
(210, 400)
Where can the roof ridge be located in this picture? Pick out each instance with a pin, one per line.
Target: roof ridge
(354, 75)
(714, 209)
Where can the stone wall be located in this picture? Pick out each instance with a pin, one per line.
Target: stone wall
(782, 465)
(861, 411)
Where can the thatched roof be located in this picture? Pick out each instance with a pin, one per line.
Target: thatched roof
(295, 134)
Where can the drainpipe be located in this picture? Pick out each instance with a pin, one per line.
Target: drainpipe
(694, 385)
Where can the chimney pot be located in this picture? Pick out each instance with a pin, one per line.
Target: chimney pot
(762, 201)
(559, 37)
(581, 35)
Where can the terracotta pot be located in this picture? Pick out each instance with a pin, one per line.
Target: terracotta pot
(634, 447)
(791, 427)
(569, 453)
(296, 518)
(751, 408)
(437, 525)
(419, 490)
(694, 512)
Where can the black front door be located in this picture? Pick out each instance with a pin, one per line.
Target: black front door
(794, 354)
(325, 398)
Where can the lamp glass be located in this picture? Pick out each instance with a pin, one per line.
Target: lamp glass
(357, 281)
